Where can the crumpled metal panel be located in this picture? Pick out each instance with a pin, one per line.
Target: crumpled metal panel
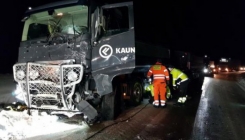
(112, 56)
(32, 51)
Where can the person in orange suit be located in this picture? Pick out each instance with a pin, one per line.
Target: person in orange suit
(160, 82)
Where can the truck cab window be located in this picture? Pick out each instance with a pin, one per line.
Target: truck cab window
(37, 31)
(66, 21)
(116, 20)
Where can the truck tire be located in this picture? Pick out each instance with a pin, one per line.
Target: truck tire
(108, 107)
(136, 93)
(112, 104)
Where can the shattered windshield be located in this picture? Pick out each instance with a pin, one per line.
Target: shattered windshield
(69, 20)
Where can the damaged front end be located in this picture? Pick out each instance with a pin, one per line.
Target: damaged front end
(52, 87)
(54, 57)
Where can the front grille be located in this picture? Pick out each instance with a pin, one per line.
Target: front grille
(48, 86)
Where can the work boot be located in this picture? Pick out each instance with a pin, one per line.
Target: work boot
(156, 106)
(150, 100)
(163, 106)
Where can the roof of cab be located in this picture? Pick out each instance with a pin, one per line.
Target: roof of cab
(58, 4)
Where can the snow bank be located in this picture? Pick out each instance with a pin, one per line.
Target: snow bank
(19, 125)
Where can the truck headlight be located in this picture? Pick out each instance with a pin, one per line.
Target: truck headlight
(34, 74)
(20, 74)
(72, 76)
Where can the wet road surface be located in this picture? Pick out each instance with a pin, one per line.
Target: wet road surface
(215, 113)
(144, 123)
(219, 115)
(221, 110)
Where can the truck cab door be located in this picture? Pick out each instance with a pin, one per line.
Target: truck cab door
(114, 42)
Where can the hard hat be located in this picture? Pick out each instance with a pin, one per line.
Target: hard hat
(159, 60)
(170, 67)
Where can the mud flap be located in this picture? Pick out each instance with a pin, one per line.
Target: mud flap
(90, 113)
(108, 107)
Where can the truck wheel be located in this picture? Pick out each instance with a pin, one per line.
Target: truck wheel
(136, 93)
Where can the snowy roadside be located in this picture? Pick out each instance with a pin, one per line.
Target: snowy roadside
(19, 125)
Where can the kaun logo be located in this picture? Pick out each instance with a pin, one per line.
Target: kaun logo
(105, 51)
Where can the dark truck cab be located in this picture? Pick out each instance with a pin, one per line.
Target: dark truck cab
(80, 56)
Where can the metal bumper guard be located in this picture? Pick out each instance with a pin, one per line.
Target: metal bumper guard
(46, 86)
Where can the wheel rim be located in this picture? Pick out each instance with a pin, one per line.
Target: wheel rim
(137, 92)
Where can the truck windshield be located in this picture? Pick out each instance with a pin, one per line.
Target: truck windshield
(69, 20)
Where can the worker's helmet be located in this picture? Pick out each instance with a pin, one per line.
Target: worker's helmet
(159, 60)
(170, 67)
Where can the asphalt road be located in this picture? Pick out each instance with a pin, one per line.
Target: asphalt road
(214, 113)
(221, 112)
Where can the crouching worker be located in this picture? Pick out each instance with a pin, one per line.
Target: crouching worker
(160, 82)
(180, 82)
(150, 89)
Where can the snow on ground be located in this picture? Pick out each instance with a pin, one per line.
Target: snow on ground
(19, 125)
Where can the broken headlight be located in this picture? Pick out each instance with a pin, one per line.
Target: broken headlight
(20, 74)
(72, 76)
(34, 74)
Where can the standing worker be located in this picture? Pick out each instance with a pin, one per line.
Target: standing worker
(160, 82)
(150, 89)
(180, 81)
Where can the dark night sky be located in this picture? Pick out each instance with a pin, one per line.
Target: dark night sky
(204, 27)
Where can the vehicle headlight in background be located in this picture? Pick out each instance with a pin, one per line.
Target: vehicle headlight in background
(72, 76)
(34, 74)
(226, 69)
(20, 74)
(205, 70)
(219, 68)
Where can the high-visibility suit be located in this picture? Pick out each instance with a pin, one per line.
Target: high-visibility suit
(160, 77)
(181, 81)
(151, 89)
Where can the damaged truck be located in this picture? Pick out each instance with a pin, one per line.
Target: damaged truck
(80, 56)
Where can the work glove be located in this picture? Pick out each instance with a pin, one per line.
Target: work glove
(149, 79)
(167, 82)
